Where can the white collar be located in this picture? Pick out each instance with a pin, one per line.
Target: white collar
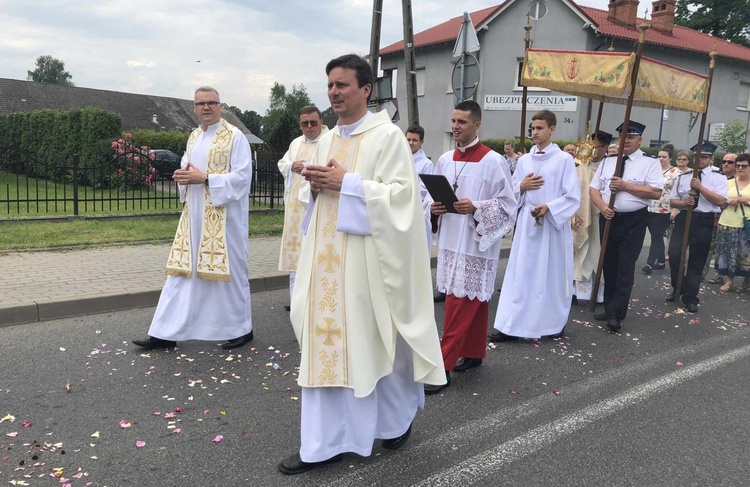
(347, 130)
(463, 149)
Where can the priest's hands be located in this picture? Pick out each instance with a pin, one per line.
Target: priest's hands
(531, 182)
(189, 175)
(464, 206)
(330, 176)
(297, 166)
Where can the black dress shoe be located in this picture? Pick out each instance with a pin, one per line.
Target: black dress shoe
(659, 266)
(465, 364)
(647, 269)
(152, 342)
(574, 300)
(294, 464)
(613, 324)
(433, 389)
(557, 335)
(602, 316)
(288, 307)
(439, 298)
(498, 336)
(396, 443)
(238, 342)
(691, 308)
(670, 298)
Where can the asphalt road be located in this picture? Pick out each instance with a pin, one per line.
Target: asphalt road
(662, 403)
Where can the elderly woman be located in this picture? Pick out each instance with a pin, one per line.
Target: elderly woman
(658, 213)
(731, 241)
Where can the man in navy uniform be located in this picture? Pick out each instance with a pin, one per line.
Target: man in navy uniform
(705, 190)
(639, 182)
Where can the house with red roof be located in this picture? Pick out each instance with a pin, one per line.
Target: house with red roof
(563, 24)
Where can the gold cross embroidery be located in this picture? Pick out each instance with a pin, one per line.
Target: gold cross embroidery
(330, 258)
(293, 244)
(329, 331)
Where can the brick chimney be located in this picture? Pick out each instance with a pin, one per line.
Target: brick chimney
(662, 16)
(624, 12)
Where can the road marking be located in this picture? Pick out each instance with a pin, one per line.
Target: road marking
(483, 465)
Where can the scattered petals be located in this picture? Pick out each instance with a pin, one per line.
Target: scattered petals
(140, 444)
(95, 434)
(125, 424)
(12, 434)
(218, 438)
(679, 364)
(26, 424)
(557, 393)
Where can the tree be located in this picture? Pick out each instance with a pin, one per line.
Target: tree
(50, 70)
(281, 123)
(725, 19)
(734, 137)
(252, 119)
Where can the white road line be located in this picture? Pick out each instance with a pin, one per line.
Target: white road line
(486, 464)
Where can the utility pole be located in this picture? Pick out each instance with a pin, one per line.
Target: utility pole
(409, 62)
(377, 16)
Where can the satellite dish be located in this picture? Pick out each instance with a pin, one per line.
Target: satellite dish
(470, 67)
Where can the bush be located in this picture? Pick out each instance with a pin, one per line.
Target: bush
(172, 140)
(498, 144)
(133, 168)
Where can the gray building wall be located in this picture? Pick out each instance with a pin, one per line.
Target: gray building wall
(502, 44)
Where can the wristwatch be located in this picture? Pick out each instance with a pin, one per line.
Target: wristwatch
(205, 181)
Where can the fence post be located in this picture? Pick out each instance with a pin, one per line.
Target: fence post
(75, 184)
(273, 188)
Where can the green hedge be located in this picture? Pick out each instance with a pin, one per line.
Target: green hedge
(42, 143)
(173, 140)
(498, 144)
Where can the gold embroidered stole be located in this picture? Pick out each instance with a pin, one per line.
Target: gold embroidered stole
(213, 260)
(327, 360)
(293, 214)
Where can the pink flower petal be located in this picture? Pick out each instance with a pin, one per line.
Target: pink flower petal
(140, 444)
(218, 438)
(679, 364)
(125, 424)
(26, 424)
(177, 431)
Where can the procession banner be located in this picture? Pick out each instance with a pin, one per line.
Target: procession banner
(671, 86)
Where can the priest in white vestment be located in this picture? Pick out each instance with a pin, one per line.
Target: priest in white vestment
(469, 241)
(207, 294)
(290, 166)
(362, 309)
(537, 287)
(585, 225)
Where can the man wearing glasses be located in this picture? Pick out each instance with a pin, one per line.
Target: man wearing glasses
(291, 165)
(207, 295)
(710, 188)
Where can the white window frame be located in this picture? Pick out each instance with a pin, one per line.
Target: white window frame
(746, 107)
(534, 9)
(421, 75)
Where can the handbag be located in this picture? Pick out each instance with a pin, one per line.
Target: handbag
(745, 219)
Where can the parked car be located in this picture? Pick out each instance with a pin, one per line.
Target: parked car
(165, 162)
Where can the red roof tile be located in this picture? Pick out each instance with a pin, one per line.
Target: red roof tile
(682, 37)
(445, 32)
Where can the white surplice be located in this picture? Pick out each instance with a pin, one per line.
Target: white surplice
(388, 302)
(197, 309)
(537, 287)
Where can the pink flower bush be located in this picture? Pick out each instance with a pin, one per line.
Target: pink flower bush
(135, 163)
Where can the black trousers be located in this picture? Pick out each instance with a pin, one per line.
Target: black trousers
(699, 243)
(657, 224)
(624, 245)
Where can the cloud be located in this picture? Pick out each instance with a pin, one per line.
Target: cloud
(140, 63)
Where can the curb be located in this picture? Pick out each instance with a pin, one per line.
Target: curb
(46, 310)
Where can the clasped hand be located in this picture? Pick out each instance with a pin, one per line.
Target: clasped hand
(189, 175)
(330, 176)
(298, 166)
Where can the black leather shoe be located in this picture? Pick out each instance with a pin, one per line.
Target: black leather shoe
(613, 324)
(396, 443)
(659, 266)
(557, 335)
(670, 298)
(288, 307)
(152, 342)
(238, 342)
(647, 269)
(432, 389)
(294, 464)
(439, 298)
(465, 364)
(574, 300)
(498, 336)
(602, 316)
(691, 308)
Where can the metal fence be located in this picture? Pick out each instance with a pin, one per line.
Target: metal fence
(127, 183)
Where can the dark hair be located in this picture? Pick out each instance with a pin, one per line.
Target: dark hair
(546, 116)
(307, 109)
(669, 149)
(416, 129)
(743, 158)
(359, 65)
(472, 107)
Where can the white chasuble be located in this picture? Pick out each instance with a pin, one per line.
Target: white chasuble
(294, 211)
(586, 243)
(537, 286)
(192, 307)
(355, 293)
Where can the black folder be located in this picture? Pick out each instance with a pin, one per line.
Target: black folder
(440, 190)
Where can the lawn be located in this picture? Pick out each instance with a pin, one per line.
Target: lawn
(25, 235)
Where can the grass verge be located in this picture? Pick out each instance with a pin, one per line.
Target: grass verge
(45, 235)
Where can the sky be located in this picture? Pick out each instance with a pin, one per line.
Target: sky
(241, 47)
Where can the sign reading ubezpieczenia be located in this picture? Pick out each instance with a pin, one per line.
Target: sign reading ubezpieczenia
(533, 103)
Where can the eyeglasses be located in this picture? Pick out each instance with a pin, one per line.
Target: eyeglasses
(210, 104)
(726, 161)
(682, 159)
(742, 166)
(309, 123)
